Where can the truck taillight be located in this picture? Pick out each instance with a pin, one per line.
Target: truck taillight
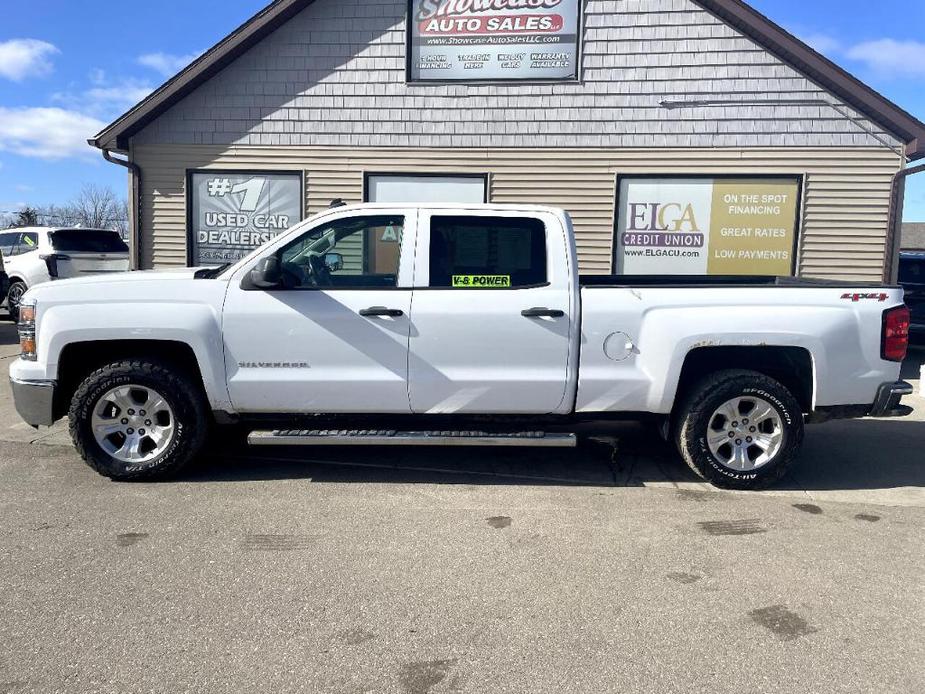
(895, 339)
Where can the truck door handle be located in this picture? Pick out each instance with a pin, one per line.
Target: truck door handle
(381, 311)
(542, 313)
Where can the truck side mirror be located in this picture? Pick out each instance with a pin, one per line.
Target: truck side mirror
(333, 262)
(267, 274)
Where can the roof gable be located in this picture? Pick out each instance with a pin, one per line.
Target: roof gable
(734, 13)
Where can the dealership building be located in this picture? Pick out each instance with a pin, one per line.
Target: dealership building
(683, 136)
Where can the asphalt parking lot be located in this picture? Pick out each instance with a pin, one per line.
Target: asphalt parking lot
(603, 569)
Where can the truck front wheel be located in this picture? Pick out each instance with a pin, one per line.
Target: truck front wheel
(739, 429)
(138, 420)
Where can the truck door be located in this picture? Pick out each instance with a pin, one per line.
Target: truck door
(334, 336)
(491, 314)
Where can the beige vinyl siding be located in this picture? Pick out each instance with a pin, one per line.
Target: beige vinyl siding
(845, 206)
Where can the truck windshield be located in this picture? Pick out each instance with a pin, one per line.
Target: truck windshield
(88, 241)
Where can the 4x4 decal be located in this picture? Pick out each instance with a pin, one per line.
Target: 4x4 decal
(871, 297)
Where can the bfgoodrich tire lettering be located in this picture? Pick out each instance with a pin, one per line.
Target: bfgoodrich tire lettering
(185, 400)
(696, 421)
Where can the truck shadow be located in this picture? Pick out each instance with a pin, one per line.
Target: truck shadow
(863, 454)
(848, 455)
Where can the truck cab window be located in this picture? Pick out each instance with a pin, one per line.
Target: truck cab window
(357, 252)
(475, 252)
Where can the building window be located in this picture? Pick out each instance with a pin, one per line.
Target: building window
(699, 225)
(233, 212)
(408, 188)
(475, 252)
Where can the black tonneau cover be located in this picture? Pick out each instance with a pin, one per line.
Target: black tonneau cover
(624, 281)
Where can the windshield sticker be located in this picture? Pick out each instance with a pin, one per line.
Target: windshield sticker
(482, 281)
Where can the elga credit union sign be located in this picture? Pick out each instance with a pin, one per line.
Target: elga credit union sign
(707, 226)
(473, 40)
(232, 213)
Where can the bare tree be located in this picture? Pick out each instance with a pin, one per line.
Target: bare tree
(94, 207)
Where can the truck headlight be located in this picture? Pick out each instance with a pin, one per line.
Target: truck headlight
(27, 345)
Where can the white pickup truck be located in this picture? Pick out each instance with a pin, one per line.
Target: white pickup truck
(450, 325)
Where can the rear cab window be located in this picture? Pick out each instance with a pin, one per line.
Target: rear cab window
(478, 252)
(87, 241)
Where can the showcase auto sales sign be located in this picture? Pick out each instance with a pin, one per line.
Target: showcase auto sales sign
(475, 40)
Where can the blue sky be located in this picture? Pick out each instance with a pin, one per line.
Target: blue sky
(66, 69)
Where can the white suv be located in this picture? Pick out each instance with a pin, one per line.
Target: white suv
(35, 255)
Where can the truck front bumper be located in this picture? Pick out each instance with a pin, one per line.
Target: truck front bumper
(34, 401)
(888, 400)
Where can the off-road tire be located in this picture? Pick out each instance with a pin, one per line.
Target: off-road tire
(184, 396)
(692, 420)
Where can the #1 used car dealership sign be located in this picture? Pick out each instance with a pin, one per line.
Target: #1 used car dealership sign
(707, 226)
(234, 212)
(472, 40)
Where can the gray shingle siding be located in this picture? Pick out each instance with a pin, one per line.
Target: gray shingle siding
(914, 236)
(335, 75)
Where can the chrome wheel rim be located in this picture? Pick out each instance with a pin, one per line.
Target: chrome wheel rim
(133, 424)
(15, 296)
(745, 433)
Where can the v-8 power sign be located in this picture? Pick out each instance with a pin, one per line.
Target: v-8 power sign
(232, 213)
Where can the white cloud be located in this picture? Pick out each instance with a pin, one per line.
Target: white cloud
(165, 63)
(105, 99)
(891, 58)
(22, 58)
(47, 133)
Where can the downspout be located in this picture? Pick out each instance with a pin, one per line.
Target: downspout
(135, 171)
(894, 226)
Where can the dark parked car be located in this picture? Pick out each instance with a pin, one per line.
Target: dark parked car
(912, 278)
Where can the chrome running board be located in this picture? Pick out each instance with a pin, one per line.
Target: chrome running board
(364, 437)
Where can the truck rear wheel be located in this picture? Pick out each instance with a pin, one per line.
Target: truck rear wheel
(138, 420)
(739, 429)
